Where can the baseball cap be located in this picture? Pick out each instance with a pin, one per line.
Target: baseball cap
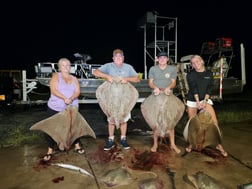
(162, 53)
(117, 51)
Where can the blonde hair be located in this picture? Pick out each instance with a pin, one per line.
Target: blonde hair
(63, 60)
(200, 59)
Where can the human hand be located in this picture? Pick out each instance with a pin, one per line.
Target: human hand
(167, 91)
(199, 105)
(110, 79)
(156, 91)
(202, 105)
(123, 81)
(68, 101)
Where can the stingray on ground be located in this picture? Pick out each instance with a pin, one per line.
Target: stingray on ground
(151, 183)
(116, 99)
(162, 112)
(201, 180)
(117, 176)
(123, 175)
(65, 127)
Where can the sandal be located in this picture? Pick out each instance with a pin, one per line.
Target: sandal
(79, 151)
(47, 157)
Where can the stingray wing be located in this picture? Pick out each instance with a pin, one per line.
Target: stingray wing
(117, 177)
(162, 112)
(202, 131)
(116, 100)
(65, 127)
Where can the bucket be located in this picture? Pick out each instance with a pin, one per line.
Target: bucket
(140, 75)
(2, 97)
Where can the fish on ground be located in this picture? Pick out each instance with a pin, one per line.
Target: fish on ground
(117, 176)
(151, 183)
(201, 180)
(74, 168)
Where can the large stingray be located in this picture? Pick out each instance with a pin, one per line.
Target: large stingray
(151, 183)
(65, 127)
(123, 175)
(201, 180)
(201, 131)
(117, 176)
(116, 99)
(162, 112)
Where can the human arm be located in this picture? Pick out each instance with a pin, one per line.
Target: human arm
(151, 83)
(156, 90)
(193, 88)
(133, 79)
(77, 89)
(54, 89)
(99, 73)
(210, 84)
(131, 74)
(168, 89)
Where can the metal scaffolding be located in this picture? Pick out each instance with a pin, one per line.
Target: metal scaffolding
(160, 34)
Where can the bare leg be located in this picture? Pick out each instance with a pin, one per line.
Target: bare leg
(210, 109)
(172, 142)
(222, 151)
(191, 113)
(78, 148)
(111, 129)
(48, 155)
(110, 142)
(155, 141)
(123, 128)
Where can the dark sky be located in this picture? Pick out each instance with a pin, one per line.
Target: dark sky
(44, 32)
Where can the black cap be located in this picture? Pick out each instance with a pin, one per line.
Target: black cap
(163, 53)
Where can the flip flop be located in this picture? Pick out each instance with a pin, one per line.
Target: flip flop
(79, 151)
(188, 149)
(47, 157)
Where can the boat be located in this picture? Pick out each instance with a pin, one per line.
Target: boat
(220, 66)
(160, 34)
(218, 57)
(84, 72)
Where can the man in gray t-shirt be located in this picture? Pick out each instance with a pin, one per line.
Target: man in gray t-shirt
(126, 73)
(162, 78)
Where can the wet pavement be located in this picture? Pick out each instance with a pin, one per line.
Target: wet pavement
(21, 167)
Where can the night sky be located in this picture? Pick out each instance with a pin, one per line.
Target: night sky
(44, 32)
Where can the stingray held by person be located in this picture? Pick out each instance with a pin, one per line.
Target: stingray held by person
(116, 99)
(162, 112)
(201, 132)
(65, 127)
